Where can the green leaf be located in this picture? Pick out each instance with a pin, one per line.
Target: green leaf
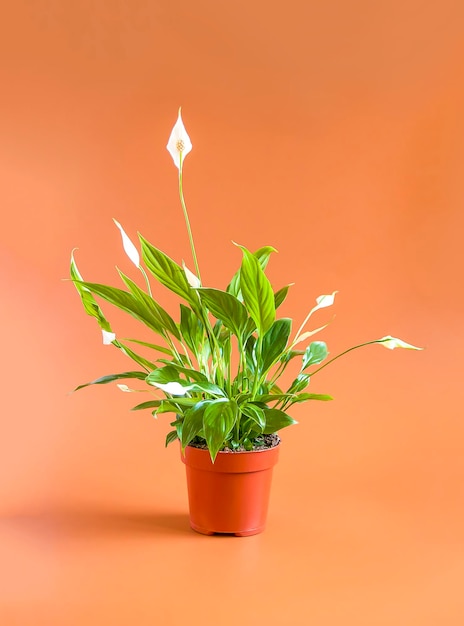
(276, 420)
(163, 318)
(167, 407)
(191, 329)
(218, 421)
(262, 255)
(300, 383)
(225, 307)
(280, 295)
(170, 437)
(257, 292)
(189, 373)
(210, 388)
(255, 413)
(167, 272)
(314, 354)
(275, 342)
(193, 422)
(151, 345)
(127, 302)
(112, 377)
(250, 353)
(149, 365)
(150, 404)
(164, 375)
(91, 307)
(304, 397)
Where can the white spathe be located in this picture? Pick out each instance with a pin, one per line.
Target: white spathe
(179, 142)
(392, 342)
(324, 301)
(192, 279)
(124, 388)
(174, 388)
(129, 247)
(108, 337)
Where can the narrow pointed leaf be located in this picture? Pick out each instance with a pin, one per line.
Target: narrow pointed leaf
(103, 380)
(127, 302)
(150, 404)
(280, 295)
(193, 422)
(218, 421)
(300, 383)
(225, 307)
(91, 306)
(170, 437)
(191, 329)
(257, 292)
(151, 345)
(276, 420)
(255, 413)
(163, 318)
(275, 342)
(167, 271)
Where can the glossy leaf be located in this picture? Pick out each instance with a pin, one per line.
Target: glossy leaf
(164, 375)
(167, 271)
(210, 388)
(150, 404)
(91, 307)
(275, 342)
(112, 377)
(170, 437)
(191, 328)
(304, 397)
(262, 254)
(151, 345)
(193, 422)
(188, 372)
(276, 420)
(315, 353)
(225, 307)
(280, 295)
(163, 318)
(300, 383)
(127, 302)
(257, 292)
(218, 421)
(142, 361)
(255, 413)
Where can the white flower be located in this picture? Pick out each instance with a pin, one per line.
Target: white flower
(179, 142)
(192, 279)
(391, 343)
(324, 301)
(128, 246)
(174, 388)
(308, 334)
(108, 337)
(124, 388)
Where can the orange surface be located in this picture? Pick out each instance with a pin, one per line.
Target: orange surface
(331, 130)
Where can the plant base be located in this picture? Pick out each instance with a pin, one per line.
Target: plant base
(230, 496)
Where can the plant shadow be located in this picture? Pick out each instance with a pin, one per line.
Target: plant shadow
(88, 522)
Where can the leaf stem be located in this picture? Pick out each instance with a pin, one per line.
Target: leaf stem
(361, 345)
(146, 280)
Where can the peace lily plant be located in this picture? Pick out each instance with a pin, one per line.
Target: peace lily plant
(218, 368)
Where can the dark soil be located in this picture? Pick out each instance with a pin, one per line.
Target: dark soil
(261, 443)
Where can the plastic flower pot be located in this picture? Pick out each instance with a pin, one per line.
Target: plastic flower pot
(231, 495)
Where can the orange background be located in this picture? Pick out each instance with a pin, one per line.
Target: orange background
(330, 130)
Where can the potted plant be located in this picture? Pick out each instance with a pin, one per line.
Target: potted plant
(217, 369)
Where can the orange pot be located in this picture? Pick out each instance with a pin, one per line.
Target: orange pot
(230, 495)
